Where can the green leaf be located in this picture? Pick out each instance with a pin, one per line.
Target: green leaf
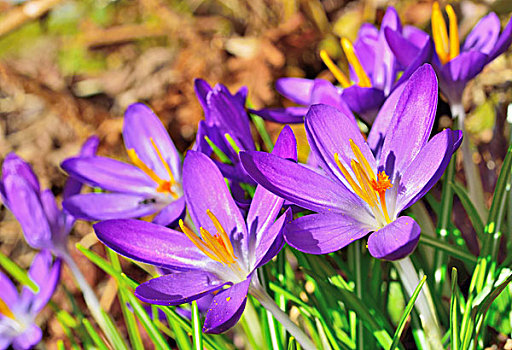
(197, 333)
(454, 312)
(18, 273)
(94, 335)
(407, 312)
(455, 252)
(470, 208)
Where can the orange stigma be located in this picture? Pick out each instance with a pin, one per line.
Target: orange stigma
(447, 48)
(163, 186)
(382, 184)
(217, 247)
(370, 188)
(353, 60)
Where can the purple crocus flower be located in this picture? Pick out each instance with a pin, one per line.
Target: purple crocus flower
(359, 193)
(44, 225)
(225, 117)
(373, 67)
(305, 92)
(18, 312)
(224, 255)
(152, 184)
(455, 64)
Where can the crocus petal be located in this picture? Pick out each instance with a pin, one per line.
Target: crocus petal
(297, 90)
(324, 92)
(395, 240)
(226, 308)
(404, 50)
(324, 233)
(8, 292)
(424, 55)
(105, 206)
(289, 115)
(412, 122)
(109, 174)
(427, 168)
(415, 35)
(46, 275)
(202, 88)
(205, 189)
(364, 45)
(89, 148)
(151, 244)
(265, 205)
(503, 43)
(380, 126)
(364, 101)
(178, 288)
(53, 214)
(141, 125)
(14, 165)
(30, 337)
(298, 184)
(171, 213)
(484, 34)
(330, 131)
(26, 206)
(270, 243)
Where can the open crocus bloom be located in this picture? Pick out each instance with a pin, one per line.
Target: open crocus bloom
(456, 64)
(44, 225)
(225, 253)
(18, 312)
(226, 124)
(152, 184)
(373, 67)
(360, 193)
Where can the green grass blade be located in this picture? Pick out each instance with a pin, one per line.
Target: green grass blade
(18, 273)
(455, 252)
(218, 152)
(94, 335)
(454, 312)
(259, 123)
(197, 333)
(470, 208)
(406, 313)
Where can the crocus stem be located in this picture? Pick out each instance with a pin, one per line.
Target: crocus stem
(424, 304)
(476, 192)
(90, 298)
(268, 303)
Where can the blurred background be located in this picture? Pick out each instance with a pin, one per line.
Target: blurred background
(68, 69)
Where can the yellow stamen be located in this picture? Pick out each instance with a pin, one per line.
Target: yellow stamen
(364, 81)
(164, 186)
(454, 32)
(384, 206)
(164, 162)
(4, 310)
(440, 34)
(199, 244)
(338, 74)
(361, 159)
(217, 247)
(361, 176)
(351, 181)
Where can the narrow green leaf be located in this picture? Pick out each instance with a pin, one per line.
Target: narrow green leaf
(259, 123)
(218, 152)
(470, 208)
(455, 252)
(94, 335)
(196, 331)
(406, 313)
(454, 312)
(18, 273)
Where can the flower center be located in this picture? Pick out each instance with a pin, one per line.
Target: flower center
(447, 48)
(218, 247)
(4, 310)
(364, 80)
(370, 188)
(163, 186)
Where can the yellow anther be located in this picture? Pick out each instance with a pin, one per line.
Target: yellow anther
(4, 310)
(439, 33)
(217, 247)
(364, 81)
(454, 32)
(361, 159)
(338, 74)
(164, 162)
(164, 186)
(364, 182)
(347, 176)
